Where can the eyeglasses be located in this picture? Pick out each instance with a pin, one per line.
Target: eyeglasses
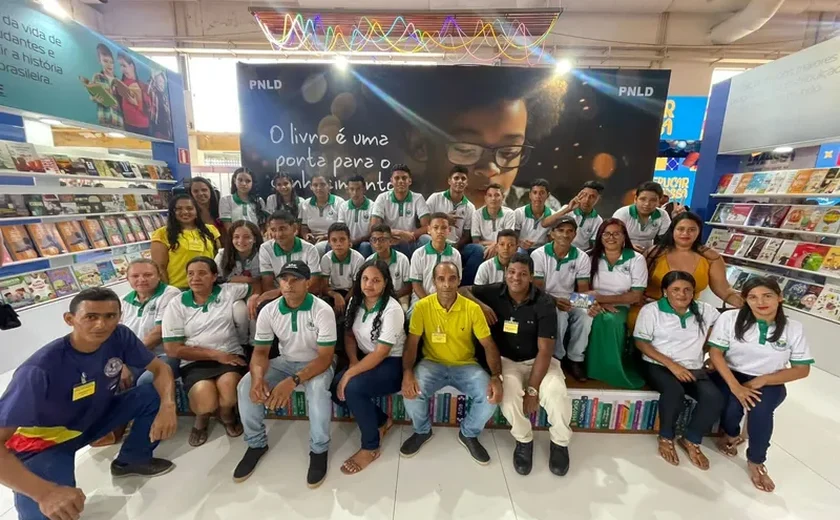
(617, 234)
(376, 240)
(505, 157)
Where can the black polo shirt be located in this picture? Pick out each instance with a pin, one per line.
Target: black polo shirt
(536, 318)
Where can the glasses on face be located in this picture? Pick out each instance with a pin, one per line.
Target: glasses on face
(616, 234)
(505, 157)
(379, 240)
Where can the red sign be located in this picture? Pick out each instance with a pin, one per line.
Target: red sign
(183, 156)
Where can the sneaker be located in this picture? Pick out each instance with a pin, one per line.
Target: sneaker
(477, 451)
(248, 463)
(153, 468)
(413, 444)
(558, 459)
(578, 371)
(523, 457)
(317, 469)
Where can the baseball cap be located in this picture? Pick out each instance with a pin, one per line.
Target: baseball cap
(296, 268)
(565, 220)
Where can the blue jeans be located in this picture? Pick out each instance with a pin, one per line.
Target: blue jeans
(471, 380)
(408, 248)
(57, 464)
(471, 257)
(174, 363)
(318, 404)
(365, 249)
(382, 380)
(579, 324)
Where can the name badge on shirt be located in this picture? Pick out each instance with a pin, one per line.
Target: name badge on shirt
(511, 327)
(438, 337)
(83, 390)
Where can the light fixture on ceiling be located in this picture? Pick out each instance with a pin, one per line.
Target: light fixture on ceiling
(54, 8)
(783, 149)
(563, 66)
(341, 62)
(116, 135)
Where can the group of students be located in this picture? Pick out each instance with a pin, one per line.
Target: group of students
(245, 325)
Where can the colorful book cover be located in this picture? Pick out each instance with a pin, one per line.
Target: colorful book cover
(73, 235)
(68, 204)
(137, 228)
(800, 181)
(15, 291)
(759, 216)
(146, 253)
(781, 280)
(148, 225)
(738, 214)
(831, 182)
(47, 239)
(107, 272)
(152, 171)
(94, 233)
(811, 219)
(756, 248)
(90, 167)
(125, 229)
(87, 275)
(158, 221)
(724, 181)
(733, 184)
(777, 181)
(131, 202)
(19, 243)
(5, 255)
(801, 295)
(796, 215)
(808, 256)
(734, 243)
(63, 281)
(113, 203)
(138, 172)
(35, 205)
(756, 184)
(745, 180)
(112, 231)
(25, 157)
(742, 278)
(732, 273)
(721, 213)
(745, 245)
(828, 303)
(52, 204)
(831, 263)
(718, 239)
(771, 248)
(12, 206)
(785, 252)
(102, 168)
(777, 216)
(114, 169)
(815, 181)
(6, 161)
(40, 287)
(50, 166)
(830, 223)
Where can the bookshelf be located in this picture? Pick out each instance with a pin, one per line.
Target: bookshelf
(786, 195)
(74, 253)
(36, 175)
(78, 216)
(773, 230)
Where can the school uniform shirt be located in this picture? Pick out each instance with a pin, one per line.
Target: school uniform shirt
(560, 274)
(232, 208)
(274, 202)
(273, 257)
(341, 273)
(448, 335)
(243, 267)
(59, 393)
(756, 355)
(191, 244)
(357, 218)
(391, 332)
(490, 271)
(424, 260)
(318, 220)
(588, 224)
(141, 318)
(398, 266)
(207, 325)
(485, 227)
(400, 214)
(300, 332)
(463, 210)
(677, 336)
(642, 235)
(629, 272)
(530, 226)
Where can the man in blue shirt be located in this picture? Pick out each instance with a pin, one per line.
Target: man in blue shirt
(65, 396)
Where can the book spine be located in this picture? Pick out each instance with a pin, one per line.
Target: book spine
(461, 408)
(637, 415)
(575, 412)
(593, 417)
(608, 416)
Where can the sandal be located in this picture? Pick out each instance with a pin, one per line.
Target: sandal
(353, 465)
(198, 436)
(233, 428)
(667, 451)
(385, 428)
(759, 477)
(694, 454)
(729, 445)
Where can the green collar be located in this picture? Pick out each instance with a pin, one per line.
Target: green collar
(499, 266)
(392, 260)
(591, 214)
(365, 204)
(239, 201)
(430, 250)
(131, 298)
(408, 198)
(762, 331)
(448, 195)
(297, 248)
(570, 256)
(306, 305)
(635, 213)
(486, 214)
(314, 200)
(626, 255)
(665, 306)
(529, 213)
(334, 259)
(188, 298)
(375, 308)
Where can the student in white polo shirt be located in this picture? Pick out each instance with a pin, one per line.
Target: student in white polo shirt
(530, 220)
(243, 202)
(405, 211)
(427, 257)
(318, 212)
(339, 266)
(356, 213)
(398, 264)
(644, 220)
(618, 279)
(491, 218)
(493, 270)
(562, 269)
(671, 334)
(284, 197)
(756, 350)
(582, 209)
(304, 326)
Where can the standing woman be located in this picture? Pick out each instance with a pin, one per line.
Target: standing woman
(756, 350)
(206, 200)
(284, 197)
(619, 275)
(198, 329)
(374, 338)
(184, 237)
(243, 202)
(671, 334)
(239, 262)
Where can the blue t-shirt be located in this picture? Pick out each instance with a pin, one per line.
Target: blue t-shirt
(59, 392)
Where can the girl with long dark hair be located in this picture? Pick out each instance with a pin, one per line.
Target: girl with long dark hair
(243, 202)
(671, 334)
(239, 262)
(318, 213)
(374, 337)
(284, 197)
(206, 200)
(756, 350)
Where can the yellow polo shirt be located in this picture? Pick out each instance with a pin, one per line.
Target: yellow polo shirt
(448, 335)
(191, 244)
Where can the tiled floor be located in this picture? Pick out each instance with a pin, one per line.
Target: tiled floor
(612, 477)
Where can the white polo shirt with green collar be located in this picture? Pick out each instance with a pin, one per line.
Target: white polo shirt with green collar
(209, 325)
(400, 214)
(424, 260)
(530, 226)
(357, 218)
(398, 266)
(677, 336)
(141, 318)
(628, 273)
(463, 209)
(341, 273)
(485, 227)
(490, 271)
(318, 220)
(391, 331)
(588, 224)
(560, 274)
(273, 257)
(300, 332)
(642, 235)
(232, 208)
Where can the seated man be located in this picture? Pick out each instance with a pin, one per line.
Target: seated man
(65, 396)
(339, 266)
(531, 220)
(447, 323)
(355, 212)
(430, 255)
(398, 264)
(404, 210)
(524, 327)
(305, 329)
(493, 270)
(644, 219)
(489, 219)
(561, 269)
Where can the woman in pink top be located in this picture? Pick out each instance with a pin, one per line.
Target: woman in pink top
(134, 98)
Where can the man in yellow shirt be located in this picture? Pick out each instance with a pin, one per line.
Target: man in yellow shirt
(447, 322)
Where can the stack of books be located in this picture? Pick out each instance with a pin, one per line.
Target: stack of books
(807, 181)
(17, 206)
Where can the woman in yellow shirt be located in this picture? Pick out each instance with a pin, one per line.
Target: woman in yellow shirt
(185, 237)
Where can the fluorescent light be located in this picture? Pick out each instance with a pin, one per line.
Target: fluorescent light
(341, 62)
(783, 149)
(563, 66)
(116, 135)
(55, 9)
(51, 122)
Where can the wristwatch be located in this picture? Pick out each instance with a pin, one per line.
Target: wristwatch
(296, 379)
(533, 392)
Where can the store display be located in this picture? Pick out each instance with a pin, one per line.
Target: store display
(94, 233)
(15, 292)
(828, 303)
(125, 229)
(12, 206)
(18, 242)
(87, 275)
(39, 286)
(808, 256)
(63, 281)
(120, 264)
(137, 228)
(770, 250)
(73, 235)
(46, 239)
(112, 231)
(107, 273)
(718, 239)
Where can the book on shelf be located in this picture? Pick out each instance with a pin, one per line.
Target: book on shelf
(137, 228)
(46, 238)
(40, 287)
(756, 248)
(63, 281)
(801, 295)
(743, 182)
(794, 217)
(735, 241)
(13, 206)
(125, 229)
(148, 225)
(107, 272)
(50, 166)
(19, 243)
(745, 245)
(828, 303)
(785, 252)
(738, 214)
(152, 171)
(158, 221)
(114, 169)
(830, 223)
(52, 204)
(113, 203)
(146, 253)
(733, 184)
(741, 279)
(831, 263)
(64, 164)
(94, 233)
(800, 181)
(815, 181)
(777, 216)
(131, 202)
(87, 275)
(73, 235)
(112, 231)
(721, 213)
(718, 239)
(102, 168)
(6, 160)
(811, 219)
(16, 292)
(779, 279)
(831, 182)
(137, 172)
(732, 272)
(25, 157)
(775, 181)
(808, 256)
(723, 182)
(90, 167)
(757, 183)
(68, 204)
(120, 264)
(770, 249)
(6, 256)
(759, 216)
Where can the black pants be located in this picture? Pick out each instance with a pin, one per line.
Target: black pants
(672, 394)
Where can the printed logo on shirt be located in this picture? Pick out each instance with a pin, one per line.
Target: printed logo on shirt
(310, 325)
(113, 367)
(780, 345)
(624, 269)
(330, 212)
(407, 212)
(365, 215)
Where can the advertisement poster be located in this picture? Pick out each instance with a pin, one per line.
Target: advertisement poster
(506, 125)
(677, 180)
(64, 70)
(683, 118)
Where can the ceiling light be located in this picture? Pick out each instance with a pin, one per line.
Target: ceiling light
(783, 149)
(51, 122)
(563, 66)
(116, 135)
(55, 9)
(341, 62)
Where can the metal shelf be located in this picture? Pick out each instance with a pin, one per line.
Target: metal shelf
(774, 230)
(77, 216)
(73, 253)
(788, 195)
(15, 173)
(813, 273)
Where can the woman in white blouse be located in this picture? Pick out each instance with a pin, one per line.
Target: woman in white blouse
(284, 196)
(756, 350)
(374, 338)
(243, 202)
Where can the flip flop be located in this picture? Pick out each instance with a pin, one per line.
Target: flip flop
(198, 437)
(667, 445)
(759, 477)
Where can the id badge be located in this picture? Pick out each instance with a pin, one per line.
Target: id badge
(83, 390)
(511, 327)
(438, 337)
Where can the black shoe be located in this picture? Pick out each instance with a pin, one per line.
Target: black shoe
(558, 460)
(413, 444)
(248, 463)
(523, 457)
(477, 451)
(317, 469)
(578, 371)
(153, 468)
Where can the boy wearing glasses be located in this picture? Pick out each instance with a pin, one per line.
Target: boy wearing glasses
(398, 264)
(404, 211)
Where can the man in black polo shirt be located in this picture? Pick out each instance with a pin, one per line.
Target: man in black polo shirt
(523, 324)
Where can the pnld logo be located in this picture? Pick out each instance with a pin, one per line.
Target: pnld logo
(265, 84)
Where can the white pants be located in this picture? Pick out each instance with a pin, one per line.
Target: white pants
(553, 398)
(246, 328)
(579, 324)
